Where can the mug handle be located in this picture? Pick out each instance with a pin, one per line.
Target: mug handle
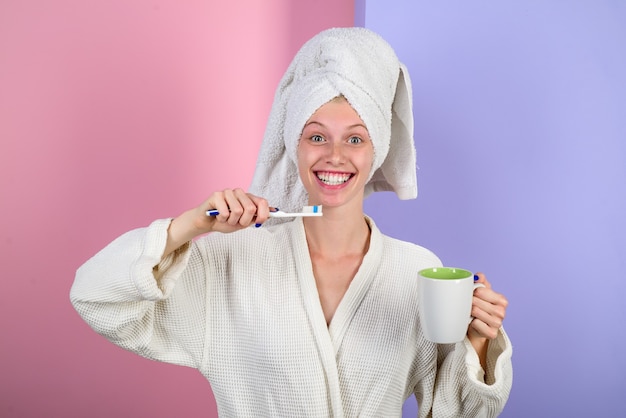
(476, 286)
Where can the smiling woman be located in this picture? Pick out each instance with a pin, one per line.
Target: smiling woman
(317, 316)
(335, 156)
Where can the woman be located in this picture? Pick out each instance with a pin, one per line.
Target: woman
(317, 316)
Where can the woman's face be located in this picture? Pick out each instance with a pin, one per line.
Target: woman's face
(335, 155)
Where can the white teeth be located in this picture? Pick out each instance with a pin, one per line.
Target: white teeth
(333, 179)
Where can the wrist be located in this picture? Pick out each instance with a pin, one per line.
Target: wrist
(182, 229)
(481, 346)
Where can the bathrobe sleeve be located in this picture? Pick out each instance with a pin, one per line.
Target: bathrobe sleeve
(128, 295)
(462, 388)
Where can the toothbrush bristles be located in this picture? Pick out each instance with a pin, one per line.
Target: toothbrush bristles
(312, 209)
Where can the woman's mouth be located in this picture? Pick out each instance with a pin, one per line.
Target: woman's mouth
(333, 179)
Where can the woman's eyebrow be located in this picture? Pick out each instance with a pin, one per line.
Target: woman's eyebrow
(311, 122)
(356, 125)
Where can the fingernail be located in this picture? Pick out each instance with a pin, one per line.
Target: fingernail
(257, 225)
(476, 277)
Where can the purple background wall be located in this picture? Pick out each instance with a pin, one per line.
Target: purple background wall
(521, 135)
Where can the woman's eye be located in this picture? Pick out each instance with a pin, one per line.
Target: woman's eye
(355, 140)
(317, 138)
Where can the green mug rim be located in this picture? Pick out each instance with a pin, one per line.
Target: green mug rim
(445, 273)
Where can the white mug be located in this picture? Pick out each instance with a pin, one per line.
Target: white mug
(445, 303)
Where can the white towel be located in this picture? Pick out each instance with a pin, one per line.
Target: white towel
(360, 65)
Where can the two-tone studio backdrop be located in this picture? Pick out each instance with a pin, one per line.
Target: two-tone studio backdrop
(115, 113)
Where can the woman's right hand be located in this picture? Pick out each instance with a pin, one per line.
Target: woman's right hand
(237, 210)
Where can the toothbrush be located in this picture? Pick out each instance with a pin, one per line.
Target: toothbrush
(277, 213)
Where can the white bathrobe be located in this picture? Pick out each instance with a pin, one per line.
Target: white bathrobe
(243, 309)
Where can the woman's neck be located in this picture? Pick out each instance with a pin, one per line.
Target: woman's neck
(337, 233)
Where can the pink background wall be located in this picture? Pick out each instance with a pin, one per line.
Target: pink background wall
(112, 114)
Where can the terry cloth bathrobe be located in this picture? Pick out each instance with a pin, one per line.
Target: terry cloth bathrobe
(243, 309)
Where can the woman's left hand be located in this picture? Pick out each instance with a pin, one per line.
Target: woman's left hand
(488, 311)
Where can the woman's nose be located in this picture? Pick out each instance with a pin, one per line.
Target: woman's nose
(335, 152)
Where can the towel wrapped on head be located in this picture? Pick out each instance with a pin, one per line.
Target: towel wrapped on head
(361, 66)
